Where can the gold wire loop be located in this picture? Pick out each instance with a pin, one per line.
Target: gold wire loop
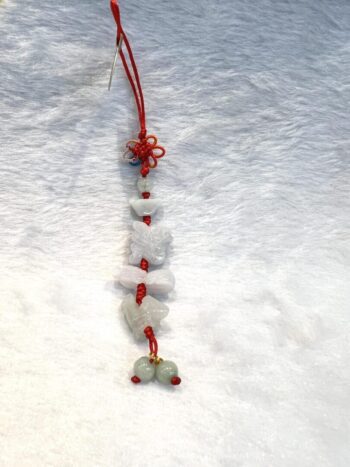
(155, 359)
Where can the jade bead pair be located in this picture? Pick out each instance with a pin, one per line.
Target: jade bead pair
(165, 371)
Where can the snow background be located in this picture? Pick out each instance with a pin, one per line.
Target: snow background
(251, 100)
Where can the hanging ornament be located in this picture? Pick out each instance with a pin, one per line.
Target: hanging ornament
(149, 243)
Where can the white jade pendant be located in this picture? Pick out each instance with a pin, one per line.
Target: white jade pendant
(131, 276)
(161, 281)
(149, 313)
(145, 207)
(149, 242)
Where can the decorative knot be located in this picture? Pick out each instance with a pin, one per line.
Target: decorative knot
(144, 151)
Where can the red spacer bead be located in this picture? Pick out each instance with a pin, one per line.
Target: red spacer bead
(144, 264)
(135, 379)
(141, 292)
(175, 380)
(146, 194)
(144, 171)
(147, 220)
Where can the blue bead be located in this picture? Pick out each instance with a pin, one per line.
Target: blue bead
(135, 163)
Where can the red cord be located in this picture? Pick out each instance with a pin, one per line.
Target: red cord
(136, 89)
(144, 264)
(141, 292)
(153, 344)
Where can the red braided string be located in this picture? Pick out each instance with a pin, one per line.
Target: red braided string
(144, 264)
(153, 344)
(141, 292)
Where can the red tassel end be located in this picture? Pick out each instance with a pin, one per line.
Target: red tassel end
(175, 380)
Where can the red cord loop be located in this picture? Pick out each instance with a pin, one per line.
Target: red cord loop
(134, 81)
(144, 149)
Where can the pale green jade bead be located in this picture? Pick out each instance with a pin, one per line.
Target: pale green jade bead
(165, 371)
(144, 369)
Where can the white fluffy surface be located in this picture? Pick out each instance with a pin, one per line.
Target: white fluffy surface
(251, 100)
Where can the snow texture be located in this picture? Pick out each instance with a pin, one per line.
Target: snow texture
(251, 100)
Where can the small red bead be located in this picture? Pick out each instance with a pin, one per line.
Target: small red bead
(144, 264)
(175, 380)
(147, 220)
(135, 379)
(144, 171)
(146, 194)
